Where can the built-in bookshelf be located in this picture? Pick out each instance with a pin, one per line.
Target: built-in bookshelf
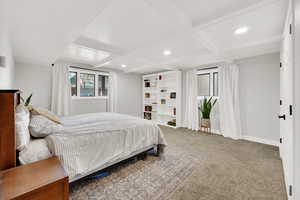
(162, 98)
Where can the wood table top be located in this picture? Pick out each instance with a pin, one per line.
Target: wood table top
(20, 180)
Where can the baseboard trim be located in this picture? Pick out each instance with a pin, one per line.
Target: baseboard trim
(215, 131)
(260, 140)
(250, 138)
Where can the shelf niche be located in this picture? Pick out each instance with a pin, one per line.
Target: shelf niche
(162, 98)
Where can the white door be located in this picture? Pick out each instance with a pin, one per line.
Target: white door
(286, 115)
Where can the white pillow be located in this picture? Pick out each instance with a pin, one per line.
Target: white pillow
(46, 113)
(36, 150)
(21, 124)
(41, 126)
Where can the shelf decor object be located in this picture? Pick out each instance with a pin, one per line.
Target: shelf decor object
(162, 98)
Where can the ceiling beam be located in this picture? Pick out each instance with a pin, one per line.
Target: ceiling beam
(153, 67)
(267, 41)
(235, 14)
(206, 41)
(95, 44)
(165, 64)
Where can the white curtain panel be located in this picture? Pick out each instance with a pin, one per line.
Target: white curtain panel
(61, 90)
(191, 119)
(230, 123)
(112, 92)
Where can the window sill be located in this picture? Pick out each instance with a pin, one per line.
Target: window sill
(88, 98)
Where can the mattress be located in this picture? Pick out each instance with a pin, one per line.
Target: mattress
(87, 142)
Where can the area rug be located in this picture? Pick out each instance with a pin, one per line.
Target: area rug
(151, 179)
(196, 166)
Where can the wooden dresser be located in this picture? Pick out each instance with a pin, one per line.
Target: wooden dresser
(9, 99)
(42, 180)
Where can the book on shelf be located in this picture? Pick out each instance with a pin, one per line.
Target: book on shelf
(147, 115)
(148, 108)
(173, 95)
(172, 122)
(162, 101)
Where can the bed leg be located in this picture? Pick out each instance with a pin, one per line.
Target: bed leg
(142, 156)
(156, 150)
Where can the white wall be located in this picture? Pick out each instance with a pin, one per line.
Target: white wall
(36, 79)
(259, 96)
(129, 94)
(82, 106)
(129, 100)
(7, 72)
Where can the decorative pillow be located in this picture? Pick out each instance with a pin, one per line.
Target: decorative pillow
(46, 113)
(21, 124)
(36, 150)
(41, 126)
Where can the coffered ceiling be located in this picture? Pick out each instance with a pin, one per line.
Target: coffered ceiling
(135, 33)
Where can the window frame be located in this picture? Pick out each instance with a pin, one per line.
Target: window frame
(72, 71)
(98, 84)
(209, 82)
(96, 74)
(211, 72)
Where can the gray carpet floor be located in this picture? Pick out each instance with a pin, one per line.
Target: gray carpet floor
(228, 169)
(195, 166)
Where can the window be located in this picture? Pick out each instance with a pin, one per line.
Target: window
(203, 84)
(73, 80)
(88, 84)
(102, 85)
(208, 82)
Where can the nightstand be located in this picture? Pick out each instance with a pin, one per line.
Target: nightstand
(42, 180)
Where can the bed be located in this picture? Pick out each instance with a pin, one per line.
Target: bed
(90, 142)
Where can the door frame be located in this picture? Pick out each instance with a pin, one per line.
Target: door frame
(296, 26)
(287, 149)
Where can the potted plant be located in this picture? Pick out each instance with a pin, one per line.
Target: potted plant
(205, 108)
(26, 101)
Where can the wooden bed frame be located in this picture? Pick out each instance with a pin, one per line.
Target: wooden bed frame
(9, 99)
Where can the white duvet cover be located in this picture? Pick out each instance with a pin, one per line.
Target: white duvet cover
(86, 142)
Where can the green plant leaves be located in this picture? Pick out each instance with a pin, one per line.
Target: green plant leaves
(27, 101)
(206, 106)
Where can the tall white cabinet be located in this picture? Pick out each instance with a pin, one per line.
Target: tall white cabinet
(162, 98)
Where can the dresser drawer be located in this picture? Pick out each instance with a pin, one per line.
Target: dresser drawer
(53, 191)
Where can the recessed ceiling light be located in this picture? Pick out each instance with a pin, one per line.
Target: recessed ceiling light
(241, 30)
(167, 52)
(123, 65)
